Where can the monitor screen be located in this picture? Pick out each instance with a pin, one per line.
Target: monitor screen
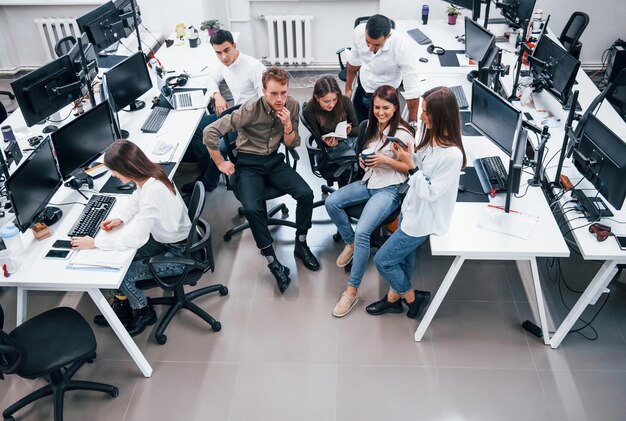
(495, 117)
(38, 95)
(128, 80)
(82, 140)
(466, 4)
(102, 26)
(600, 156)
(559, 71)
(478, 40)
(518, 11)
(32, 185)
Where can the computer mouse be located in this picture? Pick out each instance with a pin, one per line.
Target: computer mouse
(50, 128)
(127, 186)
(423, 59)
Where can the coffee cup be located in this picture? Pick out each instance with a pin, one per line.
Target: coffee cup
(367, 153)
(194, 40)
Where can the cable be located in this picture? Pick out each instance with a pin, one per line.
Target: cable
(525, 191)
(67, 203)
(62, 120)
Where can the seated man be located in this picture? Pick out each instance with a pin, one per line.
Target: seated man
(242, 74)
(382, 56)
(262, 125)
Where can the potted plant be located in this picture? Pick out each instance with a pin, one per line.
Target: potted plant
(211, 25)
(452, 12)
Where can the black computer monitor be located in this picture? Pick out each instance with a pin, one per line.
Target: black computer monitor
(554, 68)
(32, 185)
(495, 117)
(516, 12)
(90, 58)
(102, 25)
(600, 156)
(125, 9)
(46, 90)
(478, 40)
(127, 81)
(82, 140)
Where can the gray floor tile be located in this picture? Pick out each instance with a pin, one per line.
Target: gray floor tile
(285, 392)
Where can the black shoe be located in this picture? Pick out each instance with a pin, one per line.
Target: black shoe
(143, 317)
(281, 274)
(304, 253)
(418, 307)
(122, 310)
(383, 306)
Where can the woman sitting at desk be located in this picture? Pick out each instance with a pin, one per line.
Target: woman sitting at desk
(378, 190)
(429, 203)
(154, 221)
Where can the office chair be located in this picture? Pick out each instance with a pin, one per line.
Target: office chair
(571, 33)
(198, 259)
(343, 72)
(269, 193)
(3, 111)
(52, 345)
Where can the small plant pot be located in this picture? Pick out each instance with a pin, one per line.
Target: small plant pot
(451, 19)
(211, 31)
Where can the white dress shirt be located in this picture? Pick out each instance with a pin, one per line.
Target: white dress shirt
(383, 175)
(152, 209)
(394, 63)
(243, 78)
(429, 202)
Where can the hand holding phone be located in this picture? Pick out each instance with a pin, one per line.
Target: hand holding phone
(397, 141)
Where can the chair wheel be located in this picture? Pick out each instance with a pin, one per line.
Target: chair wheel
(336, 237)
(227, 237)
(217, 326)
(92, 358)
(284, 211)
(115, 392)
(161, 339)
(223, 291)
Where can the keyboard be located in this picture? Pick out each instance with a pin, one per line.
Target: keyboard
(183, 100)
(491, 173)
(460, 96)
(96, 210)
(419, 37)
(155, 120)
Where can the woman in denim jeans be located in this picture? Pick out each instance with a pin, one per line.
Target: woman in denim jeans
(429, 203)
(378, 189)
(154, 221)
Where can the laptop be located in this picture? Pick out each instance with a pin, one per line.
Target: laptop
(181, 101)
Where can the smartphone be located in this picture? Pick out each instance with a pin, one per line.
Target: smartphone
(621, 241)
(396, 140)
(62, 244)
(58, 254)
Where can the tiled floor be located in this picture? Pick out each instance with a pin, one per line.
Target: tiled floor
(287, 358)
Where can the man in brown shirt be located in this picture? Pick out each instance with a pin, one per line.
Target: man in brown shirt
(262, 125)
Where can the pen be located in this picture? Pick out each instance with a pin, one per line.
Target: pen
(502, 208)
(203, 69)
(173, 151)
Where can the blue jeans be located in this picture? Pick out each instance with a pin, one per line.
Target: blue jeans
(379, 204)
(395, 260)
(139, 269)
(210, 174)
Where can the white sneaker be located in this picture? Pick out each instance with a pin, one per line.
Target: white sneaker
(345, 304)
(346, 255)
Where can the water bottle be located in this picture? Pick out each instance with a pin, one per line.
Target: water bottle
(425, 14)
(12, 239)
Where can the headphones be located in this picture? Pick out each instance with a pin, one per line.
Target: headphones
(433, 49)
(176, 81)
(77, 182)
(601, 231)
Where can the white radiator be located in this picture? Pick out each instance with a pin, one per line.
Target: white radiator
(289, 39)
(53, 29)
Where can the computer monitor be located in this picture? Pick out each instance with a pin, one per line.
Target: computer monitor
(516, 12)
(90, 57)
(32, 185)
(127, 81)
(600, 156)
(478, 40)
(125, 9)
(46, 90)
(495, 117)
(554, 68)
(102, 26)
(82, 140)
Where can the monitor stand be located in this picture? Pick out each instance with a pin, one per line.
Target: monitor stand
(568, 105)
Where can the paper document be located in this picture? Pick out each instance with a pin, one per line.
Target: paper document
(515, 223)
(94, 258)
(340, 131)
(465, 61)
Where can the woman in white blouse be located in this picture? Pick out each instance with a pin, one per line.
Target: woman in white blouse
(427, 208)
(154, 221)
(378, 189)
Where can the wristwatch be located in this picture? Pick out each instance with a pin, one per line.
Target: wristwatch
(413, 124)
(413, 170)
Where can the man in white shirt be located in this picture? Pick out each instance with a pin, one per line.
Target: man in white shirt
(242, 74)
(382, 56)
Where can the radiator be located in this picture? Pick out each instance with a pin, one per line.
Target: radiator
(53, 29)
(289, 39)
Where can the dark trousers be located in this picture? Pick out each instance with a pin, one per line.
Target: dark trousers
(209, 173)
(254, 174)
(361, 103)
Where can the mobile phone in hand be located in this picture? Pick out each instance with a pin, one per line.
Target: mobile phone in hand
(397, 140)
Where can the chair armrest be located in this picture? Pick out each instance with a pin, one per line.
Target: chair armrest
(7, 93)
(294, 154)
(172, 259)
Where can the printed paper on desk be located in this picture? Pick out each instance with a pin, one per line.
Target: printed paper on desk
(465, 61)
(515, 223)
(94, 259)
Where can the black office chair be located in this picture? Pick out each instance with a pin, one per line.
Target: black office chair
(53, 346)
(198, 259)
(574, 28)
(269, 193)
(3, 111)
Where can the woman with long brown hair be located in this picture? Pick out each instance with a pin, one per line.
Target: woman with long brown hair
(427, 208)
(378, 190)
(154, 221)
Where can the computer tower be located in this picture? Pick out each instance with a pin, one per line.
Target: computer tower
(616, 61)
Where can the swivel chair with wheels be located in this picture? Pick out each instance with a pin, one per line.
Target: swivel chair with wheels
(53, 346)
(198, 259)
(269, 192)
(574, 28)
